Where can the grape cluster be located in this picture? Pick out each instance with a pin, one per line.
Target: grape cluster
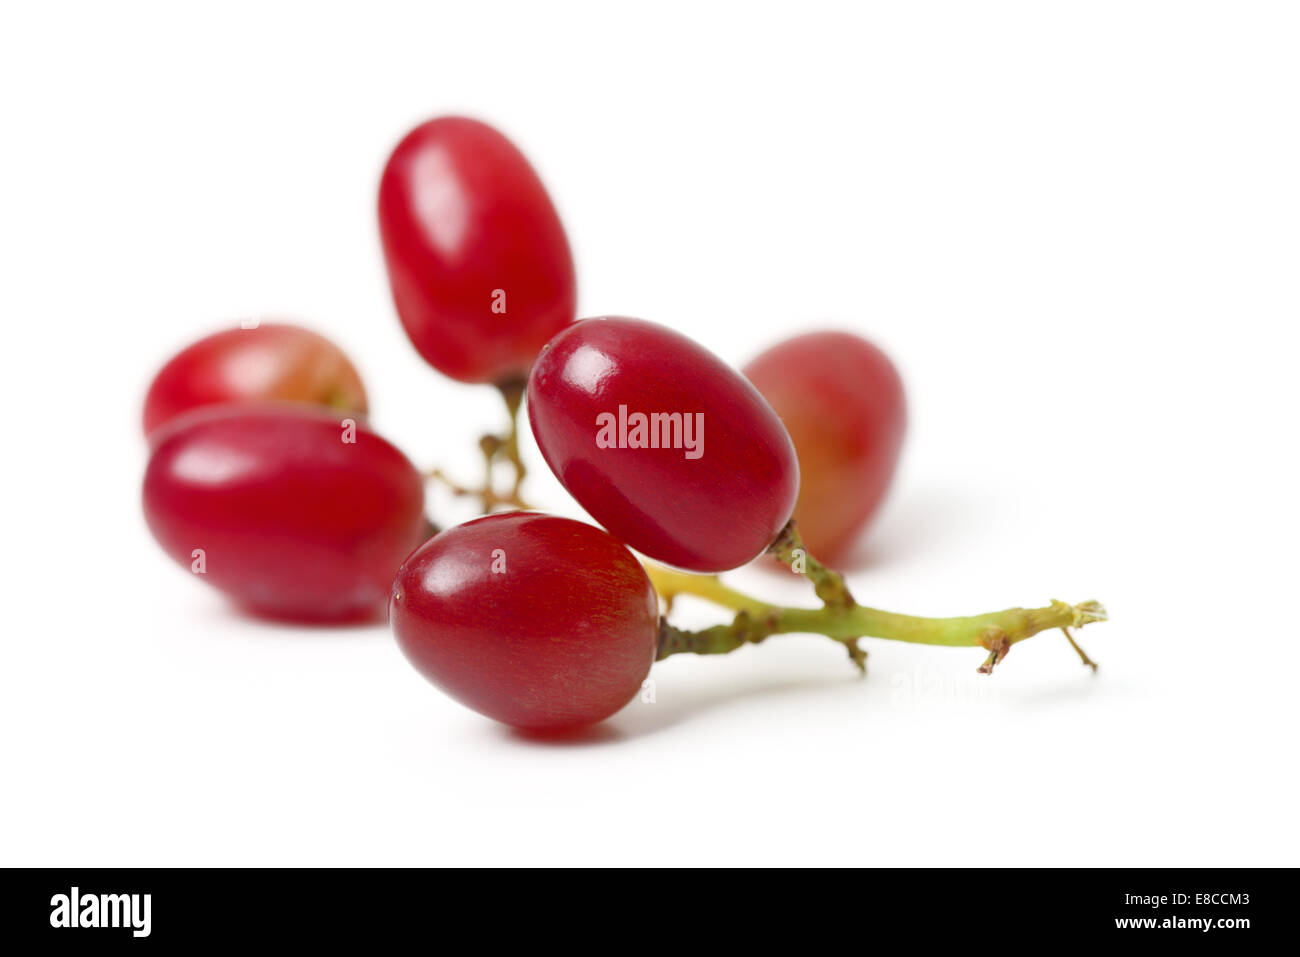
(266, 479)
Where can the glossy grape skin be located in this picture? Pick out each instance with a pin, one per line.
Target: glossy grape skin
(294, 523)
(461, 215)
(842, 401)
(560, 635)
(705, 514)
(270, 361)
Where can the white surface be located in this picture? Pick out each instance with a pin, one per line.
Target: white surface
(1073, 225)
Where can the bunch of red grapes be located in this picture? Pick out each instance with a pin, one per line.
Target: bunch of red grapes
(265, 478)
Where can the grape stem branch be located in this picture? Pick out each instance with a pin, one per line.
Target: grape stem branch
(841, 618)
(497, 448)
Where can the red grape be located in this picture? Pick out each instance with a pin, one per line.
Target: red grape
(478, 261)
(720, 479)
(537, 621)
(269, 361)
(279, 510)
(842, 401)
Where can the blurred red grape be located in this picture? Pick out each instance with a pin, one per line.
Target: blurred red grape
(841, 400)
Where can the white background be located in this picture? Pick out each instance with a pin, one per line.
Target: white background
(1075, 227)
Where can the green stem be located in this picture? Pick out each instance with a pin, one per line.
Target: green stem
(829, 584)
(494, 447)
(843, 620)
(513, 394)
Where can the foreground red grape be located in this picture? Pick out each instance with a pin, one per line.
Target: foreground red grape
(537, 621)
(662, 443)
(269, 361)
(285, 508)
(841, 400)
(479, 265)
